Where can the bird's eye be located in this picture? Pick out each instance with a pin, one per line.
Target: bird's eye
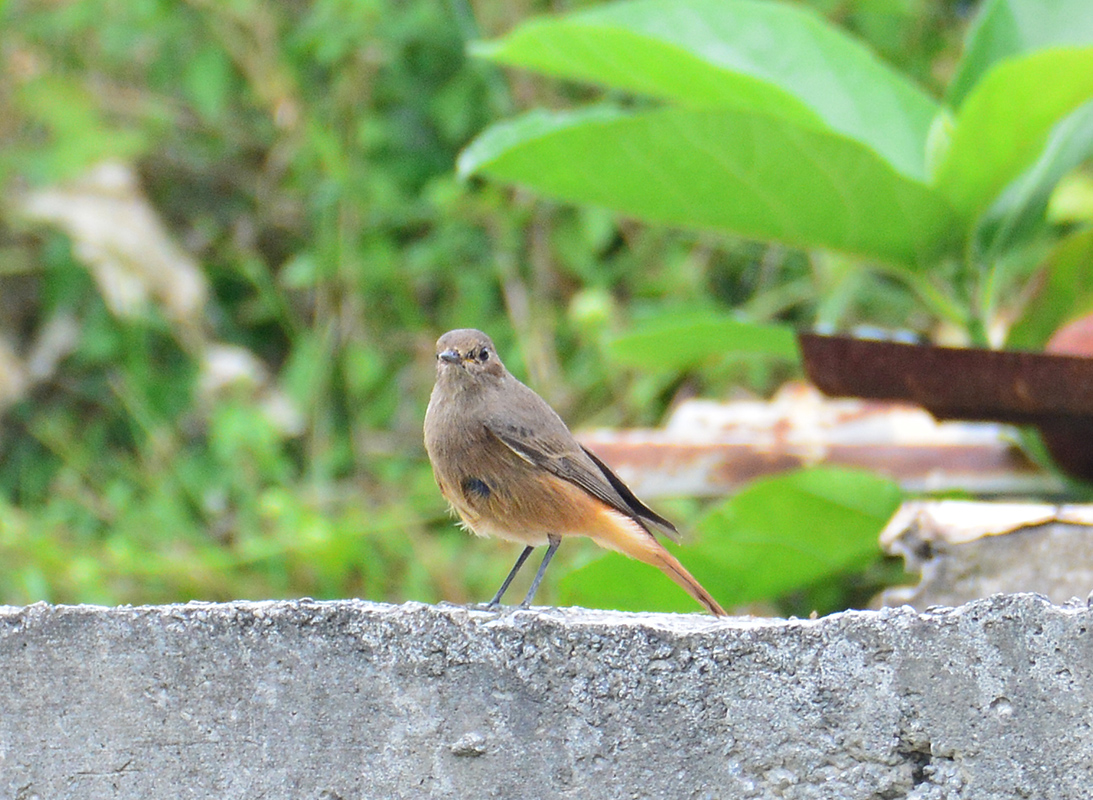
(484, 354)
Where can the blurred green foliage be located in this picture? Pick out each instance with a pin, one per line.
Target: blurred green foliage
(303, 153)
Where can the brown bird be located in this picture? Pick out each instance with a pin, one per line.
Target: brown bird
(510, 468)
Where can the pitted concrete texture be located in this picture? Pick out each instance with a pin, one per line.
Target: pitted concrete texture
(357, 700)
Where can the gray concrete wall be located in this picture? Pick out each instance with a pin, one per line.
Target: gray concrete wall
(356, 700)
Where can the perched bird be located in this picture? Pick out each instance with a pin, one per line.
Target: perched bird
(510, 468)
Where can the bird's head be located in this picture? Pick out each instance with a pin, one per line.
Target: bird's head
(467, 354)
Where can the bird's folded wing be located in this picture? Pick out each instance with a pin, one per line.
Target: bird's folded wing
(564, 457)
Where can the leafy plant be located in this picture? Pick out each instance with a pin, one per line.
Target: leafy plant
(762, 120)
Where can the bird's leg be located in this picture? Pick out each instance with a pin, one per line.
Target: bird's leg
(554, 542)
(496, 601)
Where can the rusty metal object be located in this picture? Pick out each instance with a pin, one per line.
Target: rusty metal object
(1054, 392)
(711, 449)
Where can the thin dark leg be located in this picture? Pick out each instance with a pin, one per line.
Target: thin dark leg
(554, 542)
(496, 601)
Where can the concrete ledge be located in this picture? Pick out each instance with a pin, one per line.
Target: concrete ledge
(357, 700)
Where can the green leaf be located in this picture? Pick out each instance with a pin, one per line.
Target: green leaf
(1020, 212)
(778, 535)
(1004, 124)
(748, 174)
(208, 80)
(1066, 293)
(1072, 200)
(1007, 28)
(678, 341)
(306, 374)
(617, 582)
(772, 58)
(79, 135)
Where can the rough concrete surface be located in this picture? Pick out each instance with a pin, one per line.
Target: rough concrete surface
(359, 700)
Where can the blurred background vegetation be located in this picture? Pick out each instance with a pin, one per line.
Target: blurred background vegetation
(224, 399)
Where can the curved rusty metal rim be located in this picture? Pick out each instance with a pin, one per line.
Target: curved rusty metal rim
(1053, 392)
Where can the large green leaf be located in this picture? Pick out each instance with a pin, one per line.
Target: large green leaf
(1005, 122)
(778, 535)
(615, 581)
(773, 58)
(1066, 292)
(1020, 212)
(1007, 28)
(750, 174)
(682, 340)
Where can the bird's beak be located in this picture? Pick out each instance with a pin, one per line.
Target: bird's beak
(450, 356)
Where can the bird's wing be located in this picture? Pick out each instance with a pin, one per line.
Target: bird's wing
(538, 435)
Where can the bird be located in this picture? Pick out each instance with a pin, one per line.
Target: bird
(510, 468)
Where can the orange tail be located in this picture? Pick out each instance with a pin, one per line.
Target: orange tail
(671, 567)
(620, 533)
